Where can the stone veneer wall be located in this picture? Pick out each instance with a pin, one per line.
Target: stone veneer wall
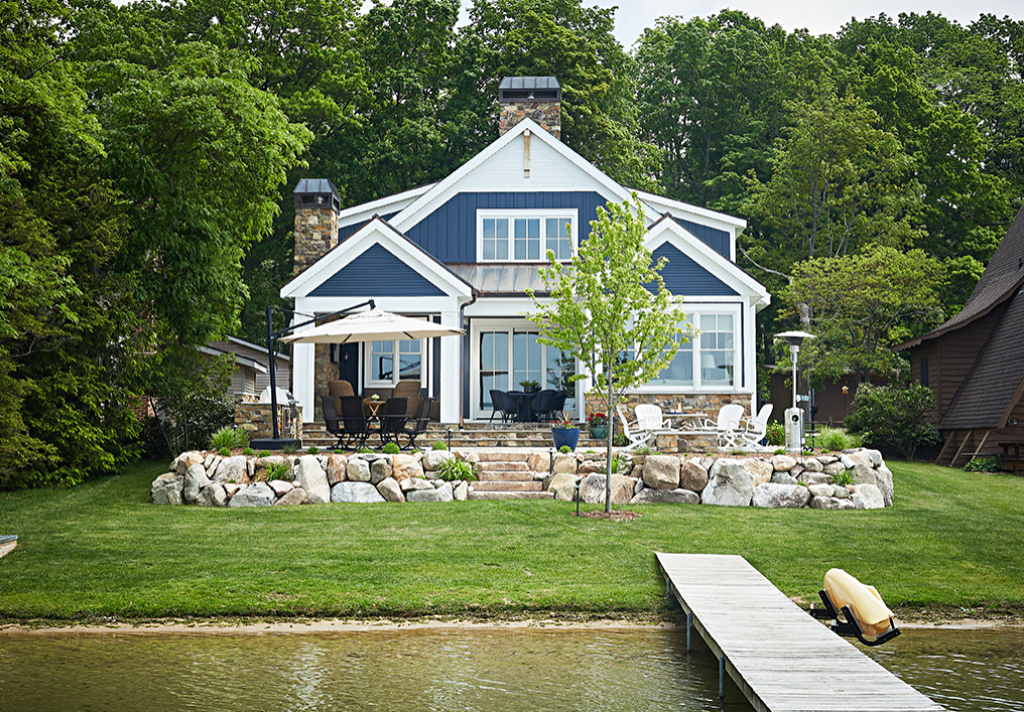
(547, 114)
(316, 232)
(323, 371)
(709, 403)
(254, 418)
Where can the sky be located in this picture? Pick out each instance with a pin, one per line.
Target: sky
(818, 17)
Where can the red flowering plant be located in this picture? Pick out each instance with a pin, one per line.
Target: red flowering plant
(564, 425)
(597, 420)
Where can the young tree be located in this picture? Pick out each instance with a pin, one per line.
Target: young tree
(610, 309)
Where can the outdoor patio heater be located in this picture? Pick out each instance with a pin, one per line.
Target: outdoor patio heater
(794, 417)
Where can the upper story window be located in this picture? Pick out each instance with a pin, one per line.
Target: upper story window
(525, 235)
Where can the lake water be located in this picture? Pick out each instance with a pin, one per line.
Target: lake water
(488, 670)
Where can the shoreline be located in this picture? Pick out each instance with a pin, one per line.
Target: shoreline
(316, 626)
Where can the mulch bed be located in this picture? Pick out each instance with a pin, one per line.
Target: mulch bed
(614, 515)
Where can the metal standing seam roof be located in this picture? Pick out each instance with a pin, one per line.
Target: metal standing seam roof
(501, 279)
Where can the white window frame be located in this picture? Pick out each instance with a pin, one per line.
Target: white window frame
(425, 359)
(694, 312)
(570, 214)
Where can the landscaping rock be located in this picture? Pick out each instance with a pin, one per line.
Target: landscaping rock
(649, 495)
(876, 458)
(830, 503)
(232, 469)
(310, 476)
(783, 463)
(760, 470)
(820, 490)
(867, 497)
(208, 462)
(461, 491)
(390, 490)
(380, 470)
(783, 478)
(777, 496)
(539, 462)
(813, 464)
(730, 484)
(440, 494)
(294, 496)
(694, 474)
(840, 492)
(166, 489)
(356, 492)
(185, 460)
(336, 466)
(405, 466)
(565, 462)
(213, 495)
(592, 489)
(280, 487)
(415, 483)
(563, 485)
(834, 468)
(590, 467)
(194, 481)
(884, 481)
(257, 495)
(661, 472)
(358, 470)
(814, 478)
(230, 488)
(433, 458)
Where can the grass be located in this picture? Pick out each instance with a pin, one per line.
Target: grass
(98, 550)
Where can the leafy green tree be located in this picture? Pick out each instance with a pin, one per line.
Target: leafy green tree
(607, 302)
(894, 418)
(860, 305)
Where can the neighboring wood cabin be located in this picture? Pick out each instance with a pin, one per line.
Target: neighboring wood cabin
(974, 362)
(251, 374)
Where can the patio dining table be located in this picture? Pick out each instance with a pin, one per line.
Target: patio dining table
(524, 406)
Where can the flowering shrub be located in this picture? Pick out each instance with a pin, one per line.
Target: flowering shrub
(597, 420)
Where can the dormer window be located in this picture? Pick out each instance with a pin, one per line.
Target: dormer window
(525, 235)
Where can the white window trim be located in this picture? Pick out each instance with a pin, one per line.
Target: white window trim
(571, 213)
(367, 365)
(693, 314)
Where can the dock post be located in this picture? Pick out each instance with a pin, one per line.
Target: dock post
(721, 678)
(689, 630)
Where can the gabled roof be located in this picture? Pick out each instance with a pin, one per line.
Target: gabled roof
(359, 214)
(376, 232)
(440, 192)
(1003, 276)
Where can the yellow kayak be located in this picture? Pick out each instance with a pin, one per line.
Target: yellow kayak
(867, 605)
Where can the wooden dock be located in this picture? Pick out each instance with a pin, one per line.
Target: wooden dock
(779, 657)
(7, 543)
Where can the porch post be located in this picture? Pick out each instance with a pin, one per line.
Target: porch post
(450, 389)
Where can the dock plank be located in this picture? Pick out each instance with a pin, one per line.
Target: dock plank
(779, 657)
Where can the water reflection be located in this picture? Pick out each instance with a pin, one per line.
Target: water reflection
(480, 670)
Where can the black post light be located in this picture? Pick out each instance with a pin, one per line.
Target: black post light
(277, 442)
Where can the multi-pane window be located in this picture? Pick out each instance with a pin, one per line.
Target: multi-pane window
(382, 361)
(707, 359)
(525, 236)
(388, 362)
(679, 371)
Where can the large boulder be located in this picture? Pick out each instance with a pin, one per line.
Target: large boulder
(213, 495)
(776, 496)
(257, 495)
(882, 478)
(461, 491)
(760, 470)
(390, 490)
(166, 489)
(232, 469)
(830, 503)
(443, 493)
(813, 464)
(336, 466)
(195, 480)
(563, 486)
(565, 462)
(694, 474)
(358, 470)
(186, 460)
(661, 471)
(867, 497)
(592, 489)
(280, 487)
(538, 462)
(294, 496)
(310, 476)
(433, 458)
(357, 492)
(380, 470)
(833, 468)
(783, 463)
(729, 484)
(649, 495)
(405, 466)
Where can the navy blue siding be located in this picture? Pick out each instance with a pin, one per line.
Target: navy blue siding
(717, 240)
(449, 233)
(348, 230)
(376, 273)
(685, 277)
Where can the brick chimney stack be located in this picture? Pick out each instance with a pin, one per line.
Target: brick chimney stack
(539, 98)
(317, 205)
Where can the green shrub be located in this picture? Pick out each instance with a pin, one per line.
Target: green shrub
(780, 451)
(644, 450)
(280, 471)
(893, 418)
(248, 451)
(776, 433)
(983, 464)
(620, 440)
(224, 452)
(263, 453)
(842, 478)
(565, 448)
(289, 449)
(833, 439)
(455, 468)
(312, 450)
(391, 449)
(364, 450)
(229, 437)
(439, 445)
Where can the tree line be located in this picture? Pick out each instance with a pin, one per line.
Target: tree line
(147, 153)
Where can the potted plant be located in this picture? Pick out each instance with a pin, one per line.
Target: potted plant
(565, 433)
(598, 424)
(529, 386)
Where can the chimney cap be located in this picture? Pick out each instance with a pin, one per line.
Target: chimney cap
(317, 192)
(529, 88)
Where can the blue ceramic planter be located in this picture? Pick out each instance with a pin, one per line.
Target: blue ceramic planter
(565, 436)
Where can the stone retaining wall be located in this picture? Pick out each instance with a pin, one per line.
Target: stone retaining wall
(757, 480)
(254, 418)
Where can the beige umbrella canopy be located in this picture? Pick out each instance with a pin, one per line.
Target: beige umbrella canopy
(372, 325)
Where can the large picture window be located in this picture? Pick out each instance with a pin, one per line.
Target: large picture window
(525, 235)
(708, 360)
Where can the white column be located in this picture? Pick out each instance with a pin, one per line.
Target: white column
(750, 355)
(450, 388)
(303, 368)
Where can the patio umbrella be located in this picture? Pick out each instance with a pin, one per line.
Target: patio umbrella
(371, 325)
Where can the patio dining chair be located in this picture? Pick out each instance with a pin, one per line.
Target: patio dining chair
(331, 420)
(544, 405)
(394, 419)
(357, 427)
(501, 403)
(413, 429)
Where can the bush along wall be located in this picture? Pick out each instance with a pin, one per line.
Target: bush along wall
(854, 479)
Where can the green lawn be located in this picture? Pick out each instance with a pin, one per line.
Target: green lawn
(100, 549)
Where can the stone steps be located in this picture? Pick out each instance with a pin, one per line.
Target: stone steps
(506, 486)
(478, 495)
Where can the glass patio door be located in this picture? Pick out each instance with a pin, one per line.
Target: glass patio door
(494, 365)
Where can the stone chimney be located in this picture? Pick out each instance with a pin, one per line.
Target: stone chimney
(316, 221)
(539, 98)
